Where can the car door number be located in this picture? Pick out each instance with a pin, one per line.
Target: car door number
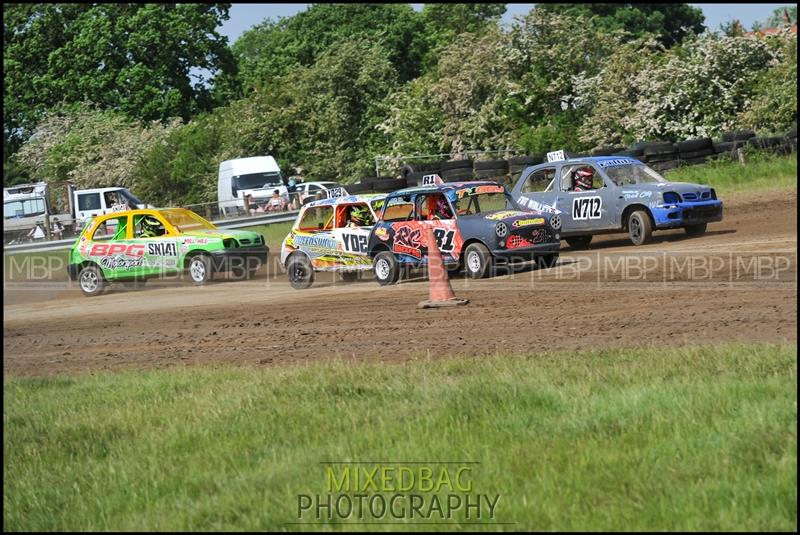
(355, 243)
(444, 239)
(586, 207)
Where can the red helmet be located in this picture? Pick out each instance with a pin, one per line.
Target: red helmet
(583, 178)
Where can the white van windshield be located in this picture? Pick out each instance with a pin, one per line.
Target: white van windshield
(257, 180)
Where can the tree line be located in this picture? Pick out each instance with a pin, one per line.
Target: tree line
(152, 97)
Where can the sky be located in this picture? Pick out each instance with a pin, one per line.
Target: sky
(244, 16)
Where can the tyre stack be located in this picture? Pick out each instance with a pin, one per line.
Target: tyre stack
(637, 153)
(387, 184)
(660, 155)
(518, 164)
(791, 137)
(456, 170)
(357, 189)
(413, 173)
(695, 151)
(496, 170)
(606, 151)
(773, 144)
(731, 142)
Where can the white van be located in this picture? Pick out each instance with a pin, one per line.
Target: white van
(258, 176)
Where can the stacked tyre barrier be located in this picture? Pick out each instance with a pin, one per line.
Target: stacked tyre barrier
(695, 151)
(660, 155)
(456, 170)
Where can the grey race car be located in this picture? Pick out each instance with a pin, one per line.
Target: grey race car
(622, 195)
(475, 224)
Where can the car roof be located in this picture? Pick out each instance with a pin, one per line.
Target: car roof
(445, 187)
(138, 211)
(348, 199)
(591, 159)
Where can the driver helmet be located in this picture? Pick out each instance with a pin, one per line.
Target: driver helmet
(153, 226)
(584, 177)
(442, 208)
(359, 215)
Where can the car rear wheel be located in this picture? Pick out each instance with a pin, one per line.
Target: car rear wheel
(300, 271)
(91, 281)
(477, 261)
(696, 230)
(579, 242)
(200, 270)
(640, 229)
(386, 268)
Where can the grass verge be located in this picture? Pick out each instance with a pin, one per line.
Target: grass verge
(762, 172)
(701, 438)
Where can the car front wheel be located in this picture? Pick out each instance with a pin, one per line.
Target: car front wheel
(640, 229)
(477, 261)
(300, 271)
(386, 269)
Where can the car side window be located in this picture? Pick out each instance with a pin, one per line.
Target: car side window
(398, 209)
(317, 218)
(148, 226)
(539, 180)
(433, 206)
(571, 182)
(115, 228)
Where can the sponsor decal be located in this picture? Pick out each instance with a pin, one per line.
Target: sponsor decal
(196, 241)
(502, 215)
(636, 194)
(615, 162)
(315, 241)
(587, 207)
(382, 233)
(525, 222)
(477, 190)
(162, 249)
(111, 249)
(539, 206)
(116, 262)
(408, 240)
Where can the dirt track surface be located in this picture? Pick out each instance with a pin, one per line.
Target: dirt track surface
(738, 282)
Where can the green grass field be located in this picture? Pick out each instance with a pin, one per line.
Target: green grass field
(762, 172)
(698, 438)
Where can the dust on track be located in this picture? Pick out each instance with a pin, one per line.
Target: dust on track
(738, 282)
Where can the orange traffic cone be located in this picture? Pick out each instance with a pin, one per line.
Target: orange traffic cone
(441, 293)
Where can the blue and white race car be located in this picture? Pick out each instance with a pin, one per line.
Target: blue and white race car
(607, 194)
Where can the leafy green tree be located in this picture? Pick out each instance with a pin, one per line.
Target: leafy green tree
(773, 106)
(670, 23)
(144, 60)
(89, 147)
(443, 22)
(778, 18)
(271, 49)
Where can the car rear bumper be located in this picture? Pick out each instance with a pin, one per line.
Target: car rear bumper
(687, 213)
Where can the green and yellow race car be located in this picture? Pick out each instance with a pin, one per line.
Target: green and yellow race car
(135, 245)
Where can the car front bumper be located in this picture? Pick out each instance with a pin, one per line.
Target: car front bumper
(687, 213)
